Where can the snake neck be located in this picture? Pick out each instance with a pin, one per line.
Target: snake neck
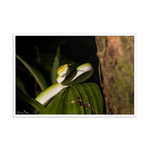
(62, 72)
(60, 80)
(81, 74)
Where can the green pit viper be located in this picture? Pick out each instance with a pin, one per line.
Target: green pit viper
(65, 79)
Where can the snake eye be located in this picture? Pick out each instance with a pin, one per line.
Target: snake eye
(61, 67)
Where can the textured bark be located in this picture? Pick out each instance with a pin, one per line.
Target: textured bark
(116, 72)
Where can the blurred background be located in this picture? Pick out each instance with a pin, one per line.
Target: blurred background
(40, 52)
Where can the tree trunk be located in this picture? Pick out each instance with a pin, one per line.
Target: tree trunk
(116, 72)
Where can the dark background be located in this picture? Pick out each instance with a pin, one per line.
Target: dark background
(39, 52)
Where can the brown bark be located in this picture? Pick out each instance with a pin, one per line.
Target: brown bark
(116, 72)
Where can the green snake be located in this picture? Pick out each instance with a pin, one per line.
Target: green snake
(65, 79)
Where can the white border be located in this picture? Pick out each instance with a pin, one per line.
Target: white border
(74, 116)
(74, 34)
(14, 77)
(10, 74)
(75, 31)
(135, 75)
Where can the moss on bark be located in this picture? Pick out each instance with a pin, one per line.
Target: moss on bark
(116, 72)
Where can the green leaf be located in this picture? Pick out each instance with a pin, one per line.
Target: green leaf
(56, 65)
(98, 96)
(84, 98)
(20, 85)
(62, 106)
(36, 74)
(92, 99)
(52, 106)
(73, 103)
(30, 100)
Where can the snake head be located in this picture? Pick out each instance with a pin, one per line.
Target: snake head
(63, 71)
